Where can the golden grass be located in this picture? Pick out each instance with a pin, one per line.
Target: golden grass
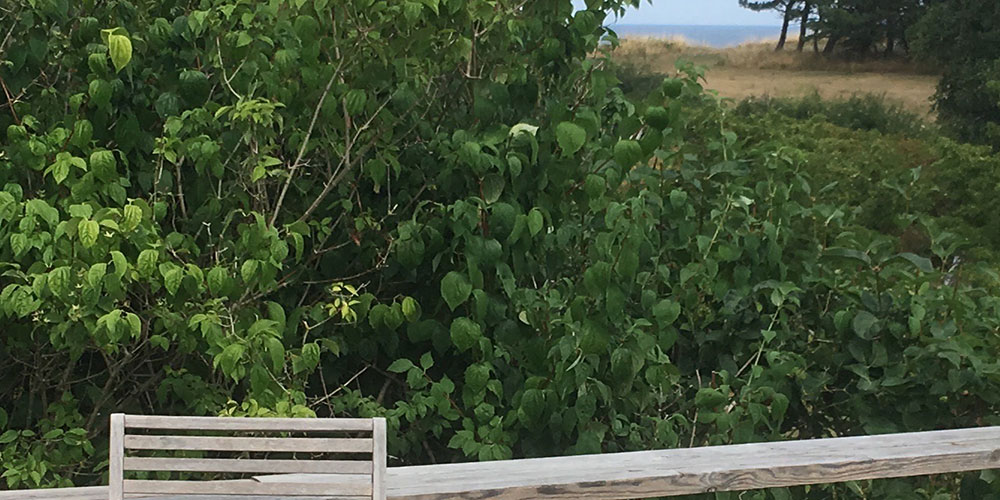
(755, 69)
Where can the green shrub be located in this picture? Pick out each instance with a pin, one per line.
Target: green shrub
(858, 112)
(447, 214)
(962, 38)
(887, 177)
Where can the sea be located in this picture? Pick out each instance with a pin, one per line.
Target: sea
(711, 36)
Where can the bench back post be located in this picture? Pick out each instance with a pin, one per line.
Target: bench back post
(116, 457)
(379, 455)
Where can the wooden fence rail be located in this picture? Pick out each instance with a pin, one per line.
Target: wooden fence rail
(671, 472)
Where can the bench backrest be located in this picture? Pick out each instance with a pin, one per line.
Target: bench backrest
(359, 444)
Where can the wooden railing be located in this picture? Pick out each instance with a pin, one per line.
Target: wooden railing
(673, 472)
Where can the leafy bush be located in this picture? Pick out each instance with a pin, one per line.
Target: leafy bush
(447, 214)
(637, 74)
(887, 175)
(858, 112)
(961, 37)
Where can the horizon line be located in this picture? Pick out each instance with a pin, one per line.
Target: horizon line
(704, 25)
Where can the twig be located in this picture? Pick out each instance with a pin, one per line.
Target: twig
(342, 386)
(756, 358)
(222, 65)
(10, 102)
(694, 422)
(322, 381)
(305, 142)
(156, 180)
(6, 38)
(180, 188)
(346, 164)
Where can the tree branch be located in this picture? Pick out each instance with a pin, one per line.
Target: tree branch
(305, 142)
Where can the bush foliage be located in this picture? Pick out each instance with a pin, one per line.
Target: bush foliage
(962, 37)
(857, 112)
(886, 165)
(446, 213)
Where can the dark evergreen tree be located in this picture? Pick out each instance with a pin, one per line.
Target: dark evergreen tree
(864, 26)
(787, 9)
(807, 8)
(963, 36)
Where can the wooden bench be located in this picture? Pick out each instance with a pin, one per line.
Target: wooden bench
(360, 445)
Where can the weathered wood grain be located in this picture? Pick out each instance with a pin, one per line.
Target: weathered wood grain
(248, 423)
(84, 493)
(101, 493)
(116, 454)
(360, 490)
(699, 470)
(379, 458)
(245, 465)
(226, 443)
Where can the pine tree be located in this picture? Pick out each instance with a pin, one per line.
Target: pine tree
(788, 11)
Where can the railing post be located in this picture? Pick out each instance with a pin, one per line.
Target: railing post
(116, 457)
(379, 454)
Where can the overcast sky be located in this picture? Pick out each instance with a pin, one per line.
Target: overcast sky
(710, 12)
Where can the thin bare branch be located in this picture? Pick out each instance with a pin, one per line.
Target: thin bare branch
(225, 78)
(346, 164)
(305, 142)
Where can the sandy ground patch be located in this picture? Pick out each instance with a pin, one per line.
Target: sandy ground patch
(756, 70)
(913, 92)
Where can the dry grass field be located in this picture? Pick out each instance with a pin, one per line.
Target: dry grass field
(755, 69)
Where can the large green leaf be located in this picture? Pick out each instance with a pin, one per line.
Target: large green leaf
(275, 351)
(627, 153)
(88, 231)
(849, 253)
(493, 185)
(400, 366)
(172, 277)
(666, 311)
(59, 281)
(120, 49)
(535, 221)
(96, 274)
(455, 289)
(707, 398)
(217, 278)
(571, 137)
(864, 324)
(922, 263)
(465, 333)
(131, 218)
(120, 262)
(146, 263)
(18, 243)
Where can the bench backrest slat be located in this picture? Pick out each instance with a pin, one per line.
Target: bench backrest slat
(248, 424)
(344, 477)
(213, 443)
(248, 465)
(248, 487)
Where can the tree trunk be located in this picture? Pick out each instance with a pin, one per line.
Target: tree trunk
(802, 26)
(831, 44)
(784, 27)
(890, 37)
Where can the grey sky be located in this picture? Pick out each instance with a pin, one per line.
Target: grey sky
(703, 12)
